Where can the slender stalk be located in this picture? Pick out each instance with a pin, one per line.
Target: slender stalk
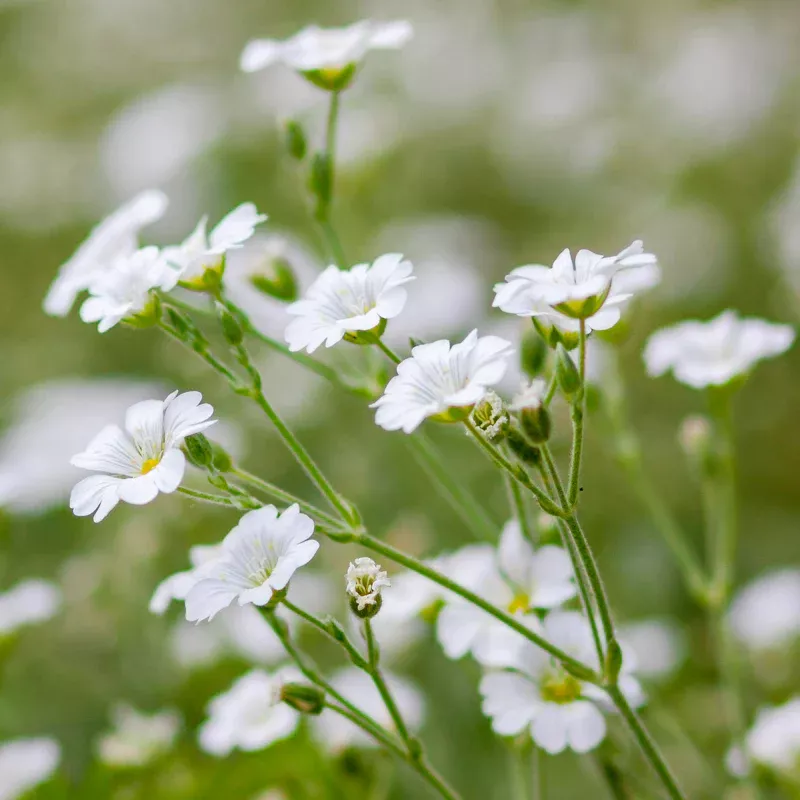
(387, 351)
(578, 413)
(323, 214)
(537, 765)
(518, 773)
(205, 354)
(551, 390)
(519, 510)
(646, 742)
(206, 497)
(375, 733)
(461, 501)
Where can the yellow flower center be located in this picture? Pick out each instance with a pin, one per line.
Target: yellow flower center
(521, 602)
(149, 465)
(561, 689)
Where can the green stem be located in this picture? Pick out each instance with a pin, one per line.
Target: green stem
(376, 733)
(205, 354)
(578, 412)
(518, 773)
(519, 510)
(551, 390)
(645, 741)
(206, 497)
(324, 210)
(537, 764)
(387, 351)
(461, 501)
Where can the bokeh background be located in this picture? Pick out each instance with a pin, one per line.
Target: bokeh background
(502, 133)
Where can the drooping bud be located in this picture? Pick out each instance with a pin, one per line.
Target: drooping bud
(522, 448)
(364, 581)
(198, 450)
(533, 353)
(280, 282)
(303, 697)
(295, 139)
(533, 414)
(231, 328)
(569, 378)
(491, 418)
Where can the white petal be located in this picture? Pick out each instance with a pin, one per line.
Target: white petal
(169, 472)
(138, 491)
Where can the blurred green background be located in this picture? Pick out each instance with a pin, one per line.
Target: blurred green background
(502, 133)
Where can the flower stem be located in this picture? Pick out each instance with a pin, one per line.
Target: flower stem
(517, 502)
(578, 412)
(387, 351)
(645, 741)
(206, 497)
(323, 214)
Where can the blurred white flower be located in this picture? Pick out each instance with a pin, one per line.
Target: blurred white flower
(773, 743)
(145, 459)
(178, 585)
(250, 715)
(124, 290)
(27, 603)
(655, 648)
(342, 302)
(114, 238)
(137, 739)
(25, 763)
(592, 287)
(203, 250)
(530, 395)
(765, 614)
(516, 578)
(365, 579)
(439, 377)
(48, 423)
(702, 354)
(326, 50)
(258, 556)
(337, 733)
(535, 693)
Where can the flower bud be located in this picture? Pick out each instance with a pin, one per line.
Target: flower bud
(554, 336)
(295, 139)
(221, 460)
(364, 581)
(533, 353)
(522, 448)
(303, 697)
(198, 450)
(490, 417)
(178, 322)
(533, 414)
(569, 378)
(231, 328)
(281, 283)
(366, 612)
(319, 181)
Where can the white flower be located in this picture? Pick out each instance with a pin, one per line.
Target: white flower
(530, 395)
(338, 733)
(591, 288)
(25, 763)
(178, 585)
(258, 556)
(516, 578)
(113, 238)
(765, 614)
(203, 251)
(365, 579)
(330, 51)
(439, 377)
(137, 739)
(773, 742)
(124, 290)
(27, 603)
(141, 461)
(560, 711)
(342, 302)
(702, 354)
(251, 714)
(655, 648)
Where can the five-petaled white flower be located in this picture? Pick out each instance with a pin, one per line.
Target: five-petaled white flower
(137, 739)
(124, 290)
(115, 237)
(28, 603)
(327, 56)
(258, 556)
(141, 461)
(25, 763)
(442, 380)
(702, 354)
(342, 302)
(535, 693)
(516, 578)
(250, 715)
(203, 250)
(365, 579)
(590, 288)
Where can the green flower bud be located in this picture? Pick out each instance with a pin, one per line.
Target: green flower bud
(522, 448)
(303, 697)
(569, 378)
(221, 460)
(533, 353)
(367, 611)
(198, 450)
(533, 414)
(319, 181)
(295, 139)
(554, 336)
(280, 284)
(231, 328)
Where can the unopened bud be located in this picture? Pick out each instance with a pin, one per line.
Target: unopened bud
(533, 353)
(490, 417)
(199, 451)
(281, 283)
(178, 322)
(522, 448)
(231, 328)
(295, 139)
(569, 378)
(221, 461)
(303, 697)
(533, 414)
(320, 179)
(554, 336)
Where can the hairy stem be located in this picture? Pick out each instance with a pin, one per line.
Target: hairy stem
(578, 413)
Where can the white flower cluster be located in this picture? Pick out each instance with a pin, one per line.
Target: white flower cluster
(137, 739)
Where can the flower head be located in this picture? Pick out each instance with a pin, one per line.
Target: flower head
(28, 603)
(326, 56)
(590, 288)
(179, 584)
(440, 378)
(341, 303)
(365, 579)
(702, 354)
(203, 251)
(124, 290)
(25, 763)
(250, 715)
(259, 556)
(490, 417)
(533, 692)
(136, 464)
(773, 742)
(137, 739)
(114, 238)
